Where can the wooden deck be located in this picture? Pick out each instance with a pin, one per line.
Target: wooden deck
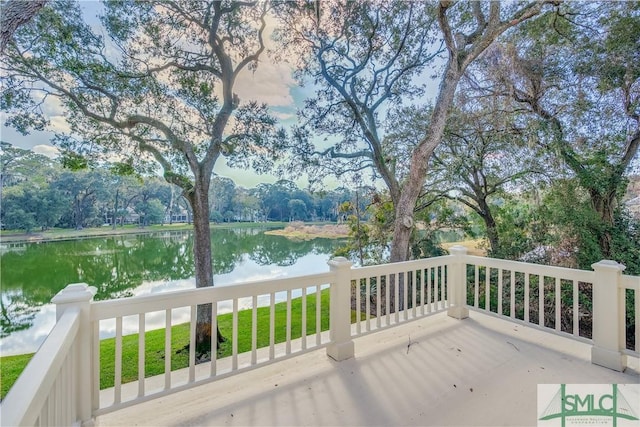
(435, 371)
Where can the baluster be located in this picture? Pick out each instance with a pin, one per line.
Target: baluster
(414, 290)
(254, 330)
(367, 303)
(96, 367)
(527, 298)
(118, 361)
(476, 289)
(512, 295)
(358, 285)
(540, 300)
(396, 297)
(429, 291)
(318, 315)
(576, 308)
(272, 325)
(500, 291)
(378, 300)
(192, 341)
(303, 332)
(234, 336)
(214, 338)
(288, 331)
(167, 349)
(141, 354)
(558, 325)
(404, 279)
(487, 285)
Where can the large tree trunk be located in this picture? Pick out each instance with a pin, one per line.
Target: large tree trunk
(605, 206)
(404, 223)
(462, 51)
(404, 208)
(203, 265)
(490, 225)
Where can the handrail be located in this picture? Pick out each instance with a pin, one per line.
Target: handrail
(175, 299)
(26, 399)
(525, 267)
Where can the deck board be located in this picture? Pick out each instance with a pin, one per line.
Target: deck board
(481, 371)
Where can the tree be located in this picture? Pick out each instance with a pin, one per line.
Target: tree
(483, 153)
(151, 211)
(17, 164)
(81, 190)
(246, 204)
(366, 58)
(580, 84)
(221, 192)
(297, 210)
(160, 90)
(123, 190)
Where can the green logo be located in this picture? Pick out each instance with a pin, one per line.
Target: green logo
(589, 404)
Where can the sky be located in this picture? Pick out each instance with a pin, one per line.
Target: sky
(272, 83)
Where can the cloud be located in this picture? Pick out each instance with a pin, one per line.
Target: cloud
(283, 116)
(59, 124)
(272, 81)
(46, 150)
(270, 84)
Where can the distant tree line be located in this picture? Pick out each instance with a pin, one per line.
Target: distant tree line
(38, 193)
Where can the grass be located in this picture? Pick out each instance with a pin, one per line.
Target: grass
(12, 366)
(10, 369)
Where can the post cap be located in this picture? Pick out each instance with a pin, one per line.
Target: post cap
(339, 261)
(607, 264)
(458, 250)
(75, 292)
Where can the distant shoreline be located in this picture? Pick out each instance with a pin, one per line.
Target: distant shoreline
(56, 234)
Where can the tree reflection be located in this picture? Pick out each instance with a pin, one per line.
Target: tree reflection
(117, 265)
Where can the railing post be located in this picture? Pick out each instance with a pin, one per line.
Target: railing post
(80, 295)
(341, 346)
(607, 316)
(457, 284)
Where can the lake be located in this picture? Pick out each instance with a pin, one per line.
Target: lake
(130, 265)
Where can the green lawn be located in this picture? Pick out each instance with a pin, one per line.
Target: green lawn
(12, 366)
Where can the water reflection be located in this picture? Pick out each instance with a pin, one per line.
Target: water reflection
(124, 266)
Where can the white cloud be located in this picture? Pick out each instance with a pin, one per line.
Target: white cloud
(271, 81)
(282, 116)
(59, 124)
(46, 150)
(270, 84)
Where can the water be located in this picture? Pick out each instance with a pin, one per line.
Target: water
(125, 266)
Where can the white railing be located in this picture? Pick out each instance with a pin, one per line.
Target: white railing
(167, 305)
(61, 385)
(385, 295)
(41, 395)
(52, 388)
(554, 298)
